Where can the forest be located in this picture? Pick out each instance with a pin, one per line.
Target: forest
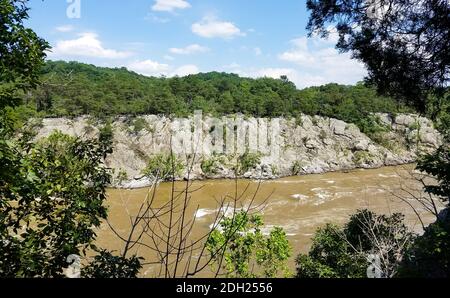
(70, 89)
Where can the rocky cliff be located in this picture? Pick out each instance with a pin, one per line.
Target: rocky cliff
(264, 148)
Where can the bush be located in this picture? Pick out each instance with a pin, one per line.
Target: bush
(361, 157)
(106, 265)
(137, 125)
(429, 255)
(248, 161)
(163, 167)
(211, 166)
(343, 252)
(245, 251)
(297, 168)
(49, 210)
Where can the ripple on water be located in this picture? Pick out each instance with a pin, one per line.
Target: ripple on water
(204, 212)
(300, 197)
(388, 176)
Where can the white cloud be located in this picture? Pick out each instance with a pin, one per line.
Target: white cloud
(319, 62)
(190, 49)
(156, 19)
(170, 5)
(210, 27)
(86, 45)
(65, 28)
(185, 70)
(232, 66)
(258, 51)
(156, 69)
(149, 68)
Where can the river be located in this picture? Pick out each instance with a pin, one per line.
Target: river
(298, 204)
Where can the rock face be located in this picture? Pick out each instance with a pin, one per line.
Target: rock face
(263, 148)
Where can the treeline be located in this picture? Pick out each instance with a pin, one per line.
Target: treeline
(72, 89)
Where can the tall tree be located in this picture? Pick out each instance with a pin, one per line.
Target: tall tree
(22, 52)
(404, 43)
(52, 191)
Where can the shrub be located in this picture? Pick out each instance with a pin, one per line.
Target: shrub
(248, 161)
(106, 265)
(297, 168)
(137, 125)
(211, 165)
(361, 157)
(343, 252)
(163, 167)
(242, 246)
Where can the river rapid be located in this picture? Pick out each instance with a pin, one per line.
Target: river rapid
(298, 204)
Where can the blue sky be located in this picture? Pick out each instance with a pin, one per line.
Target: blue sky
(252, 38)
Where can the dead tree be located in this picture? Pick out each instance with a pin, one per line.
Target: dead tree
(166, 230)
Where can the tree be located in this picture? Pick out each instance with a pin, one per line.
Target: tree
(429, 254)
(22, 52)
(405, 46)
(49, 212)
(438, 166)
(106, 265)
(403, 43)
(248, 248)
(345, 252)
(51, 191)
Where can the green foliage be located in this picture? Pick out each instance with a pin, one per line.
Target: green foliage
(104, 91)
(163, 167)
(438, 166)
(342, 252)
(22, 52)
(274, 170)
(121, 176)
(210, 166)
(106, 265)
(296, 168)
(106, 134)
(52, 191)
(137, 125)
(50, 204)
(239, 244)
(248, 161)
(330, 256)
(429, 255)
(397, 67)
(361, 157)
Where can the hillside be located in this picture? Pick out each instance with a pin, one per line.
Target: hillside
(74, 89)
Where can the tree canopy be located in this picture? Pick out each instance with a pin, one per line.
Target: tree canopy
(403, 43)
(73, 89)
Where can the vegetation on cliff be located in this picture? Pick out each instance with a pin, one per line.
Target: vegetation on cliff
(73, 89)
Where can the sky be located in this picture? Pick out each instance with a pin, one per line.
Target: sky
(252, 38)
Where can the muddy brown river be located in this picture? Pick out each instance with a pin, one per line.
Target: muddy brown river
(297, 204)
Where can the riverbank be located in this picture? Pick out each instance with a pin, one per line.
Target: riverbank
(260, 148)
(297, 204)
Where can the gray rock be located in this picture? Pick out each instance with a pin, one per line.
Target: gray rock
(318, 145)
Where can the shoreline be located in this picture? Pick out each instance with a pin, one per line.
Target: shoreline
(262, 179)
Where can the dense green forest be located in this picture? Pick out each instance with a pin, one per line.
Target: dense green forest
(72, 89)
